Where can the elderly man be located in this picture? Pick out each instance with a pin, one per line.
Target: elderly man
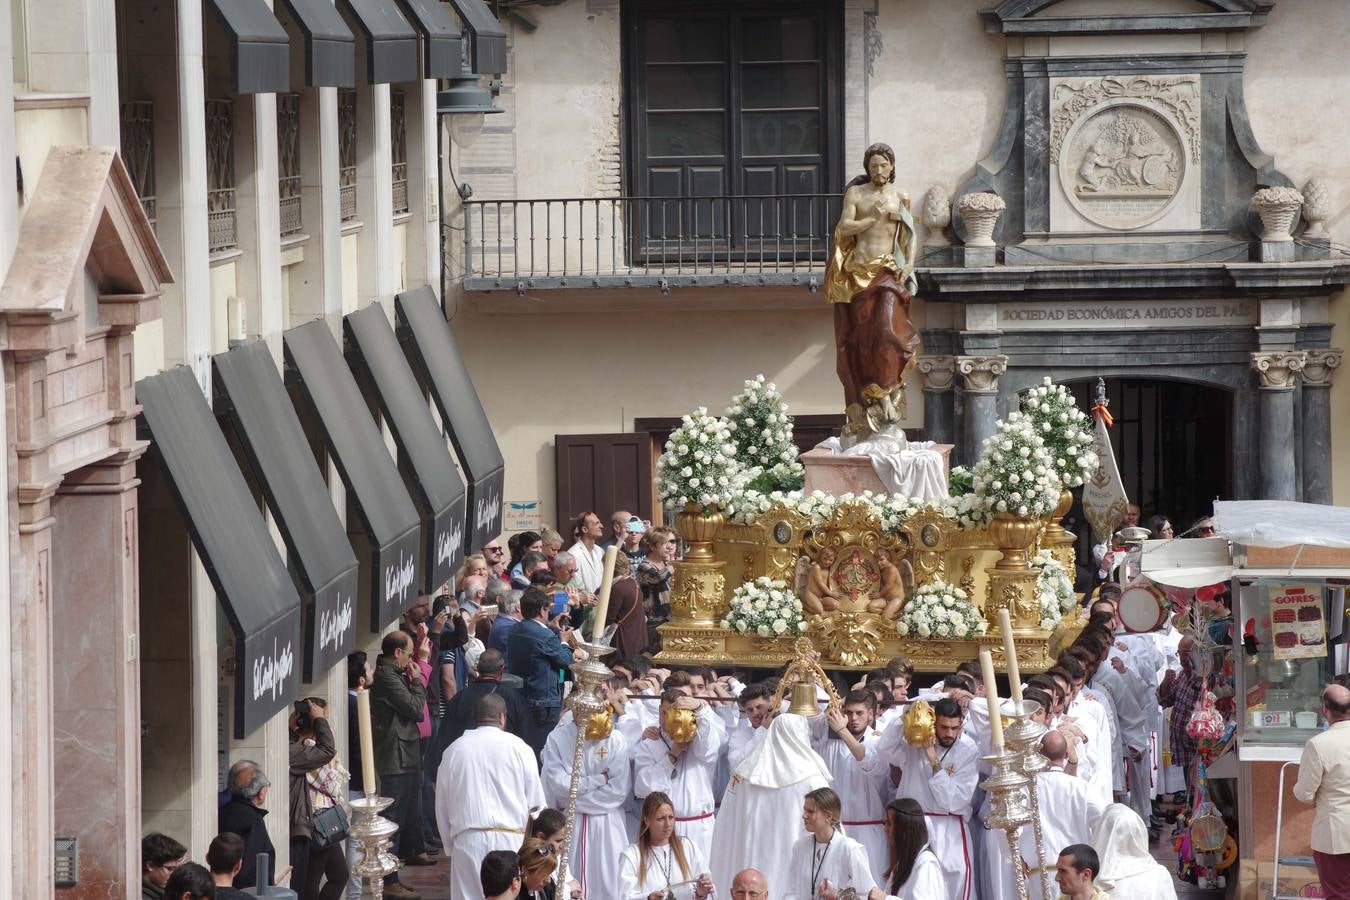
(749, 884)
(459, 714)
(487, 789)
(1324, 781)
(243, 815)
(471, 591)
(618, 529)
(160, 856)
(508, 614)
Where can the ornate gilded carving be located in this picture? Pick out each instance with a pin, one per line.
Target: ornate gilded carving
(850, 638)
(689, 644)
(1178, 95)
(967, 583)
(926, 534)
(699, 593)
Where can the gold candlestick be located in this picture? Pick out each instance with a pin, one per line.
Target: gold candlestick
(373, 834)
(587, 698)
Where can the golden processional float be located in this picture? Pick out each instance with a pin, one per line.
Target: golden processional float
(990, 564)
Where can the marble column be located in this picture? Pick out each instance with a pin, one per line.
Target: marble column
(96, 696)
(979, 392)
(938, 374)
(1318, 369)
(1278, 373)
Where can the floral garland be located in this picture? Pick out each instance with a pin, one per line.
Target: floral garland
(891, 510)
(1053, 587)
(699, 465)
(761, 429)
(767, 608)
(1014, 473)
(941, 610)
(1065, 430)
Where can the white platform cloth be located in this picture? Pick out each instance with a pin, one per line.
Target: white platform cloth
(910, 469)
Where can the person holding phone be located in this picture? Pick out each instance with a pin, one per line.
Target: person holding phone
(541, 657)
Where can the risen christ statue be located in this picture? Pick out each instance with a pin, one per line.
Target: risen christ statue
(870, 282)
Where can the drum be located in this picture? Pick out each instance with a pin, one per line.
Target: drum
(1142, 608)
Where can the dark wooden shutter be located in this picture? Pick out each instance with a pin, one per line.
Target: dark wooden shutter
(602, 473)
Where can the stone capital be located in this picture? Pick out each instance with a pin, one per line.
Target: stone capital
(1278, 369)
(979, 374)
(1320, 366)
(937, 372)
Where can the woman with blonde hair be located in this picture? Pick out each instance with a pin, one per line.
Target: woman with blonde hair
(538, 862)
(661, 860)
(826, 861)
(474, 564)
(553, 542)
(653, 574)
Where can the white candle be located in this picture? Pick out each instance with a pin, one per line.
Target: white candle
(367, 743)
(991, 697)
(606, 584)
(1010, 653)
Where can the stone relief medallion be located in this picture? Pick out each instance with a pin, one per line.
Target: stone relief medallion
(1123, 164)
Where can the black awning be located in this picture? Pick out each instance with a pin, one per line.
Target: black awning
(250, 394)
(435, 357)
(227, 528)
(391, 43)
(261, 49)
(373, 483)
(440, 37)
(436, 483)
(330, 46)
(489, 40)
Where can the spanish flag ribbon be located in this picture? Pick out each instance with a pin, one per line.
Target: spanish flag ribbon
(1100, 411)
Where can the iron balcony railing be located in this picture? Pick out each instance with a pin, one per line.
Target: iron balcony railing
(658, 242)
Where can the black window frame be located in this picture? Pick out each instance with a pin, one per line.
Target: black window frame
(772, 241)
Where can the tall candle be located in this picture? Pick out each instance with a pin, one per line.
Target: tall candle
(367, 743)
(1010, 653)
(606, 584)
(991, 697)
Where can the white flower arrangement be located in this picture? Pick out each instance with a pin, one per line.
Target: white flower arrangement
(892, 510)
(1054, 588)
(1014, 473)
(940, 610)
(1065, 429)
(700, 464)
(767, 608)
(761, 429)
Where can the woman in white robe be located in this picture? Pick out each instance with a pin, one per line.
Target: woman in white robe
(662, 862)
(825, 861)
(758, 821)
(1128, 869)
(914, 873)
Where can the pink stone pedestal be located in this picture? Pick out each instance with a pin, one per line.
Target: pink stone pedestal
(834, 474)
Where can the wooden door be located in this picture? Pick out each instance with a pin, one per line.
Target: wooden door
(602, 473)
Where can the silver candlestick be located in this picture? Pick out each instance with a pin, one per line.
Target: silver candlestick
(587, 698)
(1009, 808)
(1023, 738)
(373, 834)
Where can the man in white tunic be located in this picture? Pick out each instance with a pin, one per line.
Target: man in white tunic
(845, 740)
(762, 809)
(683, 770)
(600, 832)
(487, 789)
(942, 777)
(754, 704)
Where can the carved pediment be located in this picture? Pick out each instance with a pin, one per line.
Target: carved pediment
(85, 224)
(1049, 17)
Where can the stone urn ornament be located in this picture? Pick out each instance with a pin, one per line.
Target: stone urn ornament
(1316, 208)
(937, 215)
(980, 212)
(1277, 207)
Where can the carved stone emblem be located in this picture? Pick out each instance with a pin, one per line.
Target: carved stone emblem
(1320, 365)
(1178, 95)
(937, 372)
(979, 374)
(1278, 369)
(1123, 166)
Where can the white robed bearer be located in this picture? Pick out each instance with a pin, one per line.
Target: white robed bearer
(600, 832)
(662, 862)
(941, 775)
(762, 807)
(913, 872)
(826, 862)
(679, 762)
(487, 790)
(846, 740)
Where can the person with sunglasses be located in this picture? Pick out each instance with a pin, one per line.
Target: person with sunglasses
(495, 554)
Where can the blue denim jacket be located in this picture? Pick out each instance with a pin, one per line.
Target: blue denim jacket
(539, 657)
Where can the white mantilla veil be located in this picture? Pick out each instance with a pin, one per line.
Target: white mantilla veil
(1128, 869)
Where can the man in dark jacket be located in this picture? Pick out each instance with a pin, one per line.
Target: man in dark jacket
(243, 815)
(397, 701)
(459, 715)
(309, 721)
(537, 654)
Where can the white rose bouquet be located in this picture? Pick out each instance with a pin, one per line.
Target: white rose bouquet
(1054, 588)
(766, 608)
(1065, 429)
(940, 610)
(700, 464)
(1014, 473)
(761, 429)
